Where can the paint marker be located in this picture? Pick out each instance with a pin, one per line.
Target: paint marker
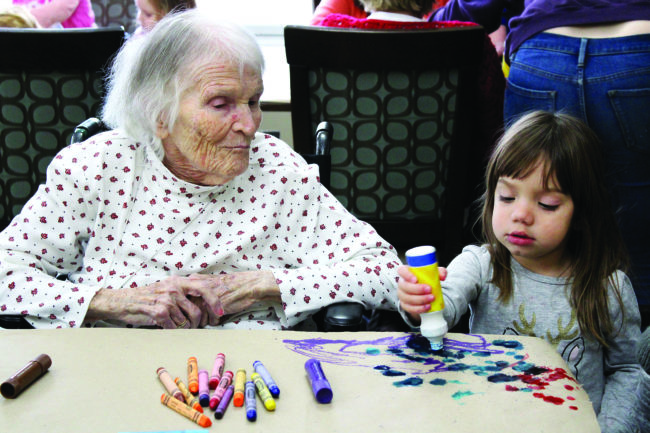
(270, 383)
(263, 391)
(240, 388)
(24, 377)
(185, 410)
(204, 390)
(251, 401)
(190, 399)
(193, 375)
(423, 264)
(169, 384)
(319, 384)
(225, 401)
(217, 370)
(218, 393)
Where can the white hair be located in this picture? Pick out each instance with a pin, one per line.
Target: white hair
(151, 72)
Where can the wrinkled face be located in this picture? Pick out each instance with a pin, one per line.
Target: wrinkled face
(147, 16)
(218, 118)
(533, 221)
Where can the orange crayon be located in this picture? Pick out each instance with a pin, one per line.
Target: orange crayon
(185, 410)
(169, 384)
(190, 399)
(193, 375)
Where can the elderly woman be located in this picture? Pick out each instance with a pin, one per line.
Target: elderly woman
(184, 215)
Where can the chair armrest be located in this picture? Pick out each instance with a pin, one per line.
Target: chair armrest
(341, 317)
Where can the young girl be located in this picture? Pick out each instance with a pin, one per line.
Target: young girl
(551, 264)
(152, 11)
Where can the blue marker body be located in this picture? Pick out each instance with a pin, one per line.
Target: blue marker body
(251, 401)
(266, 376)
(319, 384)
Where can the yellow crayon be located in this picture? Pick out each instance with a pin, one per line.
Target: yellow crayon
(190, 399)
(240, 388)
(193, 375)
(185, 410)
(263, 391)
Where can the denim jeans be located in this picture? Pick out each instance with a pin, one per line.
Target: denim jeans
(606, 83)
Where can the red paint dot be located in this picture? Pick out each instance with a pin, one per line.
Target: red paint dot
(570, 398)
(511, 388)
(569, 387)
(573, 407)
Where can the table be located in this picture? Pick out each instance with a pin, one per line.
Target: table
(104, 380)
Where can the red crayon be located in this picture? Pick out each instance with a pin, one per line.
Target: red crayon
(225, 381)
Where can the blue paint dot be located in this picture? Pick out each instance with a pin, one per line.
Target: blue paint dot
(508, 344)
(413, 381)
(481, 354)
(393, 373)
(500, 378)
(382, 367)
(373, 351)
(519, 356)
(458, 367)
(438, 382)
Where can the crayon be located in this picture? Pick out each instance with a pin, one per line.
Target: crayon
(263, 391)
(24, 377)
(251, 401)
(225, 381)
(319, 384)
(266, 376)
(185, 410)
(169, 384)
(190, 399)
(204, 391)
(217, 370)
(240, 388)
(193, 375)
(223, 404)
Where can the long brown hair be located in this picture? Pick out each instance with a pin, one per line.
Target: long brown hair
(572, 157)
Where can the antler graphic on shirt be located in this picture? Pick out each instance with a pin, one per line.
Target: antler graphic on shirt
(564, 330)
(526, 327)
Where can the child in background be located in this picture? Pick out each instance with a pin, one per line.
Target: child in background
(60, 13)
(552, 265)
(152, 11)
(18, 17)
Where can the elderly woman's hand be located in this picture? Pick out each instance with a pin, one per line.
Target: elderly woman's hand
(238, 291)
(170, 303)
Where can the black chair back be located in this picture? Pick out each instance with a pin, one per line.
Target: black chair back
(50, 81)
(402, 106)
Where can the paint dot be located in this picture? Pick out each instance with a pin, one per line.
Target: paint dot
(511, 388)
(438, 382)
(393, 373)
(508, 344)
(501, 378)
(481, 354)
(413, 381)
(460, 394)
(458, 367)
(569, 387)
(570, 398)
(373, 351)
(573, 407)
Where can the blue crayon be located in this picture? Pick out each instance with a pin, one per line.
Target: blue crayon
(225, 401)
(251, 401)
(266, 376)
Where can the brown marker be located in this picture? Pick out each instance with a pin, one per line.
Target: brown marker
(23, 378)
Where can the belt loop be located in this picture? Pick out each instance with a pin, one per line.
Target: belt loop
(583, 52)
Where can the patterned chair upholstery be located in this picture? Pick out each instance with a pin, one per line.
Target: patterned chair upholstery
(50, 81)
(401, 106)
(110, 13)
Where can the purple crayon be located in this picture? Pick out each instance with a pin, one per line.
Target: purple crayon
(225, 400)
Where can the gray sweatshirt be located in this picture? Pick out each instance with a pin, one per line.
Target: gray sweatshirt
(540, 307)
